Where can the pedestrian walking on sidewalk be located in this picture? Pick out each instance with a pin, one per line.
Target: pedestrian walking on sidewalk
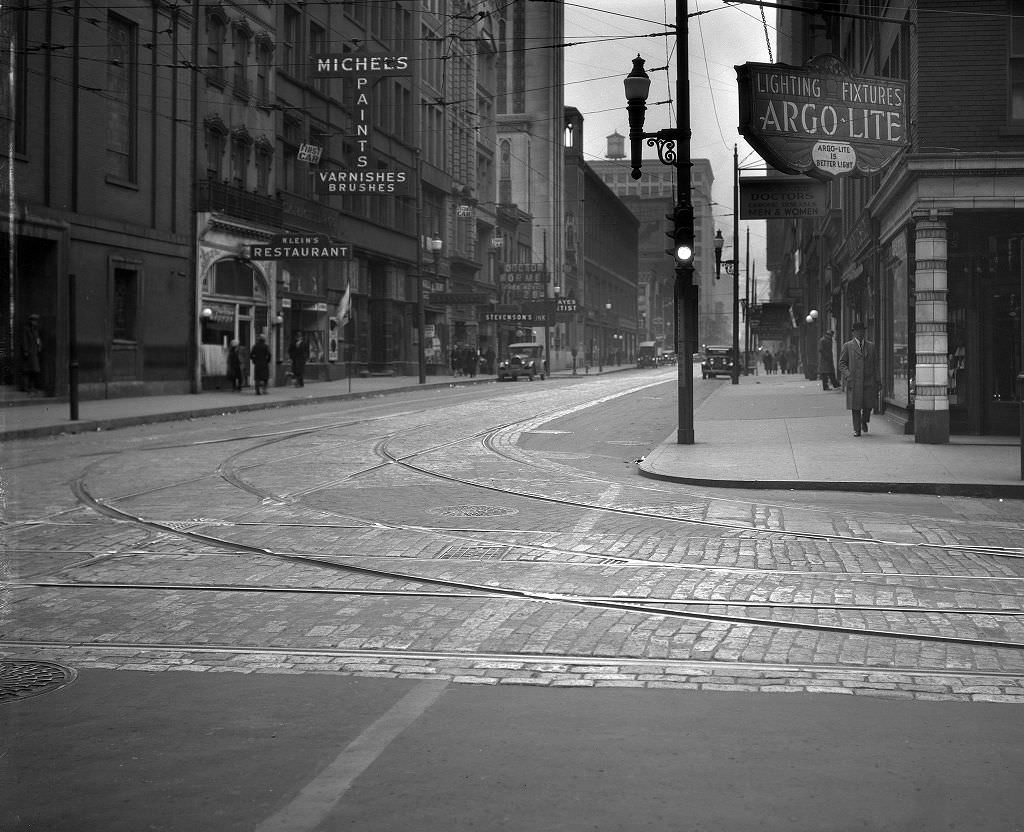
(234, 366)
(826, 363)
(298, 352)
(858, 365)
(260, 357)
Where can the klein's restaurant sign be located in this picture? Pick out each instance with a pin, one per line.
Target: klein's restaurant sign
(821, 120)
(299, 247)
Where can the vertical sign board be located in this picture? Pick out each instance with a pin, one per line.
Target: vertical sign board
(820, 119)
(365, 177)
(523, 282)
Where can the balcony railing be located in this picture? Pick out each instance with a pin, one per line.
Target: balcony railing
(245, 205)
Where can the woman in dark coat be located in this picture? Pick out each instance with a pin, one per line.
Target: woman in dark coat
(260, 358)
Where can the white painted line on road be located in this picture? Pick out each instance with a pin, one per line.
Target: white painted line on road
(312, 805)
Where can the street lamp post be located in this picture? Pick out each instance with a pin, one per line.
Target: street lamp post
(736, 266)
(673, 149)
(434, 244)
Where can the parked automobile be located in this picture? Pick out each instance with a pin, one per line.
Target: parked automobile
(525, 359)
(717, 361)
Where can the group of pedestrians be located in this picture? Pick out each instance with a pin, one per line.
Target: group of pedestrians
(468, 361)
(858, 367)
(239, 359)
(784, 362)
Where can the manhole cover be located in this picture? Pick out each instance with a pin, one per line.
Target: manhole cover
(20, 680)
(473, 511)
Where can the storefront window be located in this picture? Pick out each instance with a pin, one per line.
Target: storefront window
(311, 320)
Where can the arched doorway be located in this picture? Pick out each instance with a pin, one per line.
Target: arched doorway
(235, 303)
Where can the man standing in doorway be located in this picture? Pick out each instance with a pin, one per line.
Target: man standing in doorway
(858, 365)
(298, 352)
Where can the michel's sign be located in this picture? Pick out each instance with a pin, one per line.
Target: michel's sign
(367, 175)
(821, 120)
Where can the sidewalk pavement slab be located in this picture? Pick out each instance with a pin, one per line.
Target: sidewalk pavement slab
(785, 432)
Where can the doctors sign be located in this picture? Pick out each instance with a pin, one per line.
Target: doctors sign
(782, 197)
(820, 119)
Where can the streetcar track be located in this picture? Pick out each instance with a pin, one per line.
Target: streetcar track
(997, 551)
(231, 472)
(608, 561)
(550, 597)
(469, 657)
(631, 599)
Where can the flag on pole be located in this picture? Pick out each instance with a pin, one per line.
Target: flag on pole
(345, 307)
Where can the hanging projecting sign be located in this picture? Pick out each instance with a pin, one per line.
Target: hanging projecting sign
(347, 181)
(365, 175)
(782, 197)
(821, 120)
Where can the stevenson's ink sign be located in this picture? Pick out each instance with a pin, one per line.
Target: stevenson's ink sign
(821, 120)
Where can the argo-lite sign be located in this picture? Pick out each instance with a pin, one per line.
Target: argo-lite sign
(821, 120)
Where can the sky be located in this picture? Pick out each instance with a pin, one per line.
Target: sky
(612, 32)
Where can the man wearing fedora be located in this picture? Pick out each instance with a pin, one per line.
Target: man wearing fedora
(858, 366)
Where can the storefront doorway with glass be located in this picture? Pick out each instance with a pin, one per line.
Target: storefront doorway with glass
(234, 306)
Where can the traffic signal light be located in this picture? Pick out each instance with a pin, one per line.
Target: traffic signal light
(682, 234)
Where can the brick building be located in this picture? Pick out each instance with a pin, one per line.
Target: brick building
(927, 251)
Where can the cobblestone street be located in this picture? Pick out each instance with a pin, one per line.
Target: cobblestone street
(394, 542)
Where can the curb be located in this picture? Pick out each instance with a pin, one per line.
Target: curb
(990, 490)
(91, 425)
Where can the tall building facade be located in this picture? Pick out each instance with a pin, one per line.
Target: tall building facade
(530, 153)
(97, 194)
(928, 251)
(651, 199)
(602, 253)
(220, 170)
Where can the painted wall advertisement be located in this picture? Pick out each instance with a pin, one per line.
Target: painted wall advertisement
(821, 120)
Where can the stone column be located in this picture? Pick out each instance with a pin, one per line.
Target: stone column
(931, 338)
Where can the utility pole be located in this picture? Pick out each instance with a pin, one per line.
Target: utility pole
(736, 265)
(673, 149)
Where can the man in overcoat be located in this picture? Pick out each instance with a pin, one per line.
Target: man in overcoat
(858, 366)
(260, 357)
(298, 352)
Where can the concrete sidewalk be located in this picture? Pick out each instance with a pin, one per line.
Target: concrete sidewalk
(786, 432)
(35, 418)
(26, 418)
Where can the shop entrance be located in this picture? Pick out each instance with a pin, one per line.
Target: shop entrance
(984, 334)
